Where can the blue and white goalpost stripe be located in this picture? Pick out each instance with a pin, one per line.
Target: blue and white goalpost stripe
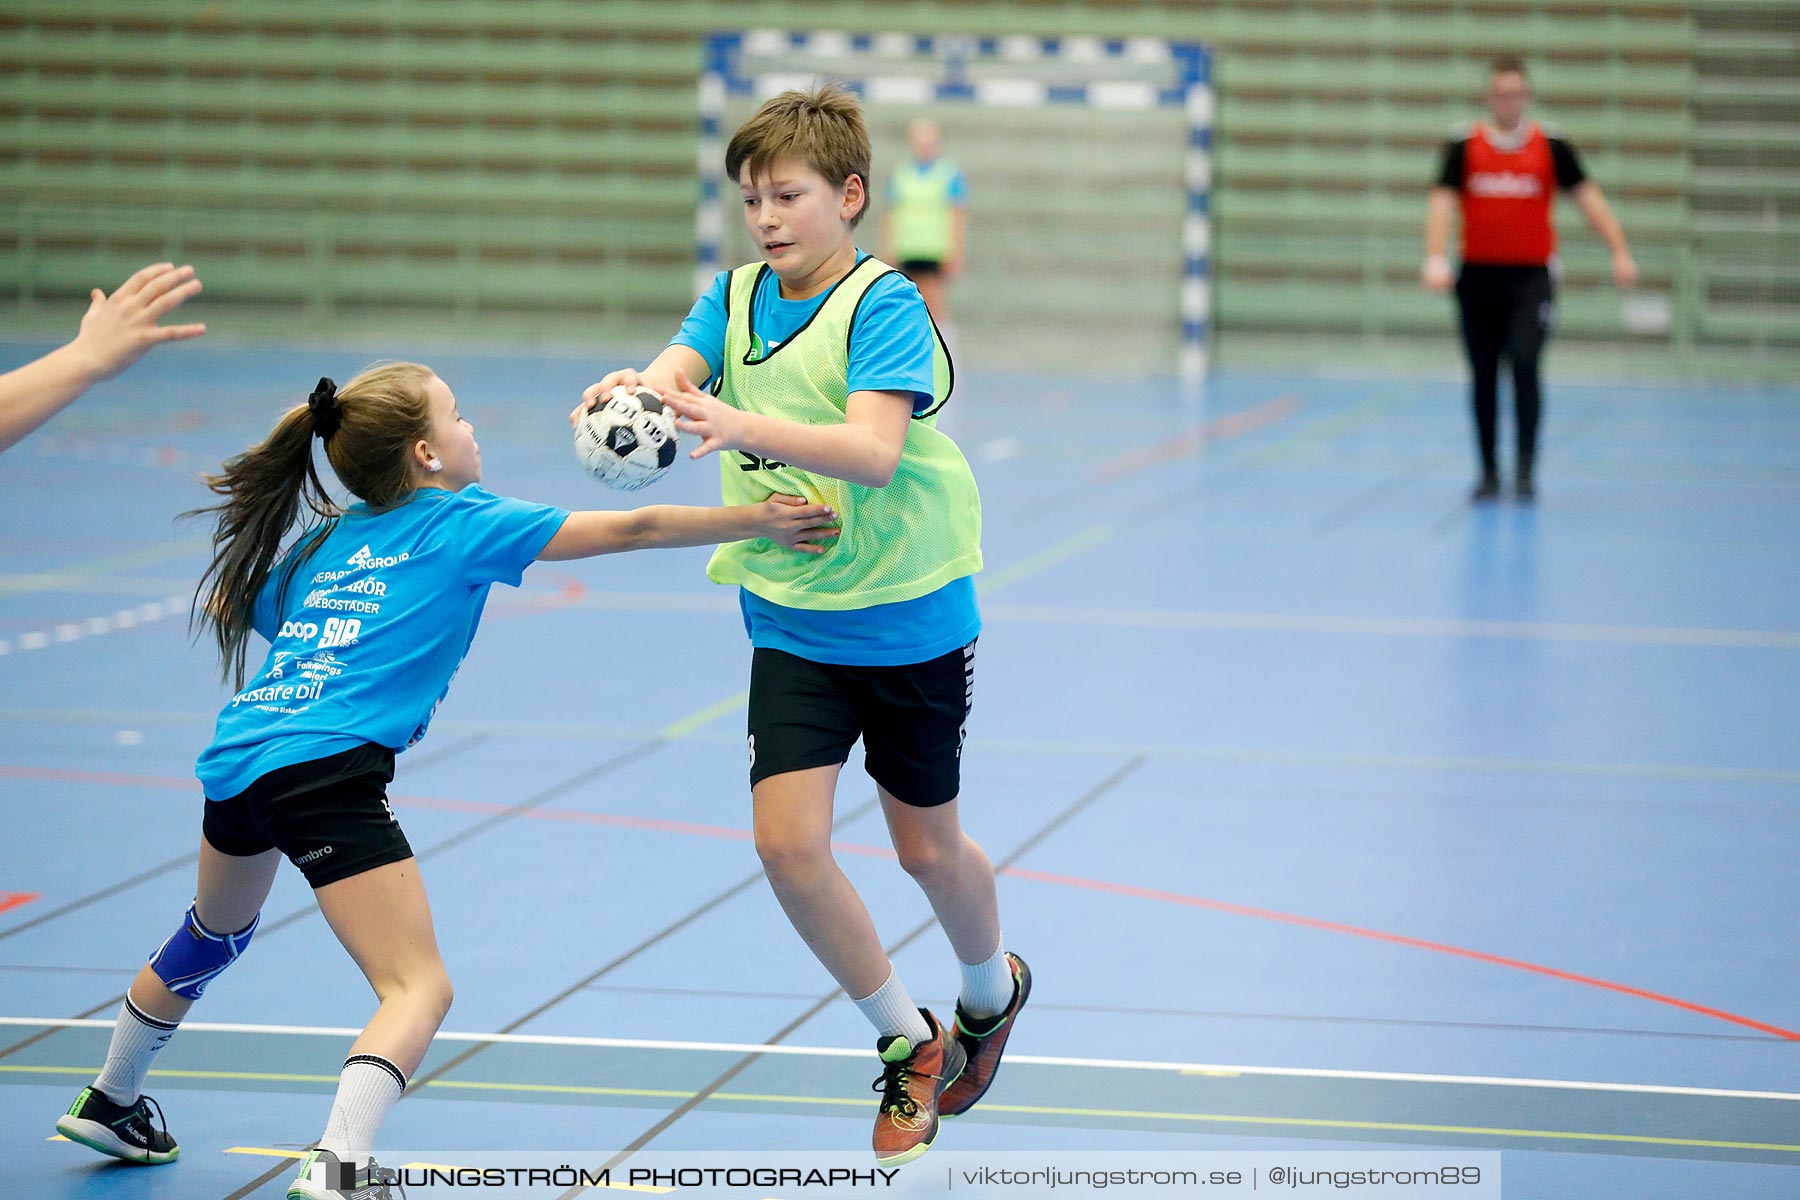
(1189, 88)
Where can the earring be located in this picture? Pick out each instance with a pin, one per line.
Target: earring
(434, 465)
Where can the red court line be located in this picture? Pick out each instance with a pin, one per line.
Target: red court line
(107, 777)
(12, 900)
(1267, 914)
(1251, 419)
(568, 590)
(692, 829)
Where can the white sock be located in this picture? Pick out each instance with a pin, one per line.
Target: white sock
(368, 1088)
(987, 986)
(890, 1010)
(137, 1036)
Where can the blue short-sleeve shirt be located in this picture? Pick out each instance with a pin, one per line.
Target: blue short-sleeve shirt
(370, 628)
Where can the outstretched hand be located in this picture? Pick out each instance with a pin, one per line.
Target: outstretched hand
(1624, 269)
(596, 393)
(119, 329)
(794, 522)
(719, 425)
(1436, 274)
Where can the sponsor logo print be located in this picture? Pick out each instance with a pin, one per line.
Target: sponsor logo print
(1505, 185)
(368, 561)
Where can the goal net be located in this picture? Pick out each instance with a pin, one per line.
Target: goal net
(1088, 165)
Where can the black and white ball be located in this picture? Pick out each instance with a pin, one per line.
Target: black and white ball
(628, 440)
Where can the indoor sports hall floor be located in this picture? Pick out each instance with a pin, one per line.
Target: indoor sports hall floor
(1331, 813)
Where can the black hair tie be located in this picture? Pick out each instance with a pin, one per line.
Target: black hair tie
(326, 412)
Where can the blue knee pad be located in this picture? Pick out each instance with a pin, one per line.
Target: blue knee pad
(194, 956)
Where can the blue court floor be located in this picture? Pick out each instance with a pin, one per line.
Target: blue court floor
(1331, 812)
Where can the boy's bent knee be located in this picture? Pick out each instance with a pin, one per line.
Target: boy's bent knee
(786, 858)
(928, 862)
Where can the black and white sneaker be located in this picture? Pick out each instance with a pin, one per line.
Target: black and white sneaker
(123, 1131)
(323, 1176)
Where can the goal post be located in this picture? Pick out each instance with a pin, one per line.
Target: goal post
(1089, 163)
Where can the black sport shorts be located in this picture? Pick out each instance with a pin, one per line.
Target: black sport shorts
(329, 816)
(910, 718)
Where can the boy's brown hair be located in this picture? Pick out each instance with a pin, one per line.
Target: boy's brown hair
(1507, 64)
(823, 129)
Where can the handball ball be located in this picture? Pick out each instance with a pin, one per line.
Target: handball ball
(628, 440)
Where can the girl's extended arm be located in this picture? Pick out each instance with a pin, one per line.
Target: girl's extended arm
(787, 520)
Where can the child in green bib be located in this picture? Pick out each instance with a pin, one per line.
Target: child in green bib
(826, 379)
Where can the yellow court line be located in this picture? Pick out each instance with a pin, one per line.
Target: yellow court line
(165, 1073)
(1023, 1109)
(1318, 435)
(266, 1152)
(986, 585)
(1394, 1126)
(565, 1089)
(712, 712)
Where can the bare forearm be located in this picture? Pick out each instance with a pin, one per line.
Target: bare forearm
(1592, 202)
(660, 374)
(39, 390)
(665, 526)
(851, 452)
(1439, 208)
(657, 526)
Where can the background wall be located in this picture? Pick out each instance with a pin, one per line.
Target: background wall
(528, 168)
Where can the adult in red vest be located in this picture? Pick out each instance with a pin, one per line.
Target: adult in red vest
(1504, 174)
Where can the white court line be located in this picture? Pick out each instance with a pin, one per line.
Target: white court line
(1129, 618)
(1058, 749)
(1105, 1064)
(74, 631)
(1250, 622)
(69, 581)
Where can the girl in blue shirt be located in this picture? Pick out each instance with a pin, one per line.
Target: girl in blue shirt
(368, 615)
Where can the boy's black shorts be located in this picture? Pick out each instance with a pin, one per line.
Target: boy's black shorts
(329, 816)
(911, 720)
(914, 268)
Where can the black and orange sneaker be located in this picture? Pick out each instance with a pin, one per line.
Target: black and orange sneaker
(121, 1130)
(912, 1079)
(982, 1040)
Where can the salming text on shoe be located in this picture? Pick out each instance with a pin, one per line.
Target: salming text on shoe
(912, 1079)
(323, 1176)
(121, 1130)
(982, 1040)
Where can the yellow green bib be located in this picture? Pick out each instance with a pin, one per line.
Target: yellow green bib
(921, 211)
(898, 542)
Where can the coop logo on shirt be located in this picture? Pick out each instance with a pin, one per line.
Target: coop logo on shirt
(369, 562)
(1505, 185)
